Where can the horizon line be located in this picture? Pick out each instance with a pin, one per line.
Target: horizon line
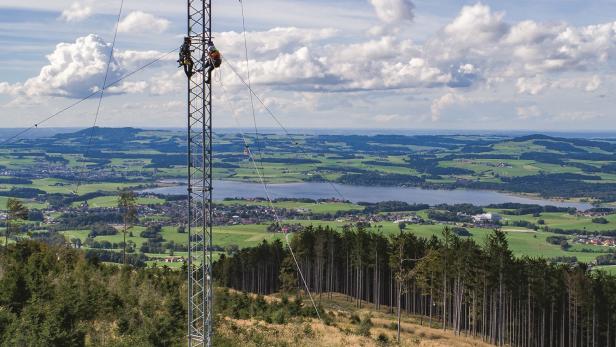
(537, 131)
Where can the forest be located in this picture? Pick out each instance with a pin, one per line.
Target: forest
(60, 297)
(455, 283)
(54, 295)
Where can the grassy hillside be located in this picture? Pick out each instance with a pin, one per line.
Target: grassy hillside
(343, 330)
(54, 296)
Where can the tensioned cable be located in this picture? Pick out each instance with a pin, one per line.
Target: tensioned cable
(269, 111)
(52, 116)
(100, 100)
(252, 104)
(271, 203)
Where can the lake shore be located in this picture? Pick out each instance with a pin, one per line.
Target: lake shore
(318, 190)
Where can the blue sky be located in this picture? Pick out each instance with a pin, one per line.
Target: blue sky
(390, 64)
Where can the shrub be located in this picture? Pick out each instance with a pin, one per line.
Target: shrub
(600, 220)
(35, 216)
(284, 300)
(151, 232)
(382, 339)
(555, 240)
(564, 245)
(279, 317)
(461, 231)
(308, 330)
(102, 229)
(364, 326)
(524, 224)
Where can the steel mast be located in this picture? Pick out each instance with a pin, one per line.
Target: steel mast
(200, 289)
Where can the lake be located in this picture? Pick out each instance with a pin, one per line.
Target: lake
(317, 190)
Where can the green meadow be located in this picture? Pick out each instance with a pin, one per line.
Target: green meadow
(322, 207)
(112, 201)
(522, 242)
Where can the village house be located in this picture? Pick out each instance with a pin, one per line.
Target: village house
(595, 240)
(410, 219)
(486, 218)
(174, 260)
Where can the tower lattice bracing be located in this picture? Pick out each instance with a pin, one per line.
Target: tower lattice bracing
(200, 316)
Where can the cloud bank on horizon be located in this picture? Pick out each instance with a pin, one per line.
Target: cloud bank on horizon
(476, 69)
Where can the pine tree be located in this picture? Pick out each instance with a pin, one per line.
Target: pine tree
(15, 211)
(127, 203)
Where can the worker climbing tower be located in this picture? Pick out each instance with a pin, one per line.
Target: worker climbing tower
(200, 316)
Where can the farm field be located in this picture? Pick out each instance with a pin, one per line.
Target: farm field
(522, 242)
(112, 201)
(567, 221)
(240, 235)
(44, 172)
(323, 207)
(533, 164)
(32, 204)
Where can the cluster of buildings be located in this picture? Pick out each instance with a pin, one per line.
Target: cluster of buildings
(483, 163)
(174, 260)
(595, 240)
(595, 213)
(410, 220)
(486, 218)
(396, 218)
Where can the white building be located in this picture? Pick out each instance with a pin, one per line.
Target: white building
(411, 219)
(487, 218)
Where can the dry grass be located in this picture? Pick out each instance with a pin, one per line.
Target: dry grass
(343, 332)
(249, 333)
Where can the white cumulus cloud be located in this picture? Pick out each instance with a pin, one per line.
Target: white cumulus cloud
(74, 69)
(538, 84)
(77, 69)
(393, 11)
(479, 51)
(293, 68)
(476, 25)
(415, 72)
(10, 89)
(443, 102)
(131, 59)
(272, 41)
(140, 22)
(532, 86)
(77, 12)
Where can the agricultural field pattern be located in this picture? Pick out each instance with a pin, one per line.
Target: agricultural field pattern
(59, 174)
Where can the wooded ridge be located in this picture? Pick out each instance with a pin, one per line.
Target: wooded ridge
(477, 290)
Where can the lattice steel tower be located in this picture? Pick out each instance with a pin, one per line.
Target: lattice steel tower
(200, 310)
